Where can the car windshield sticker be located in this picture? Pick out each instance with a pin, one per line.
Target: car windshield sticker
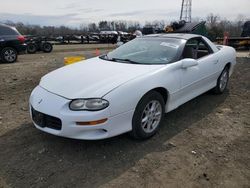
(168, 45)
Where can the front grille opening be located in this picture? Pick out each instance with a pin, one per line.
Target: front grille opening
(44, 120)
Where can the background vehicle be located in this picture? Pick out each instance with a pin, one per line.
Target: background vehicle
(239, 42)
(108, 36)
(11, 44)
(35, 44)
(246, 29)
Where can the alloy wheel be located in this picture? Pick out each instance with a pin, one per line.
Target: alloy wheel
(151, 116)
(9, 55)
(223, 80)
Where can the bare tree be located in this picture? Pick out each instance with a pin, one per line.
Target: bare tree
(92, 27)
(212, 20)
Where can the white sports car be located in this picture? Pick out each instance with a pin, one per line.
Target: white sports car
(130, 88)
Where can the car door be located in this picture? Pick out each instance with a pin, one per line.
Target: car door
(197, 79)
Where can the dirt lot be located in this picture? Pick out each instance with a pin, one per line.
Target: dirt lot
(204, 143)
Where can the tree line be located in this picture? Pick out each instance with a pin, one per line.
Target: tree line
(216, 26)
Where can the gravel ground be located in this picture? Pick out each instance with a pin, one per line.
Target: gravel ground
(203, 143)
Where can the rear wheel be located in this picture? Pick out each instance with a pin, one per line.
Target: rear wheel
(222, 81)
(9, 55)
(148, 116)
(31, 48)
(47, 47)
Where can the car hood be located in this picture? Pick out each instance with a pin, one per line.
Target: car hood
(92, 78)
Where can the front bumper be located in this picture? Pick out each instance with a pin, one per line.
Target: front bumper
(55, 106)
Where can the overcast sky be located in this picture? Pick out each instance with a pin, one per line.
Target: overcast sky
(75, 12)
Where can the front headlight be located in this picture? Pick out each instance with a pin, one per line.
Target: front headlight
(88, 104)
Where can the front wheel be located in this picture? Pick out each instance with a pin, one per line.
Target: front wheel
(222, 81)
(148, 116)
(9, 55)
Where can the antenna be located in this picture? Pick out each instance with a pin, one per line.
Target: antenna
(186, 10)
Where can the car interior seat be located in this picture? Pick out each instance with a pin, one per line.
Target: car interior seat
(189, 52)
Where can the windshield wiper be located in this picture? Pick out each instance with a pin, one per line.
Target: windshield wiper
(124, 60)
(106, 57)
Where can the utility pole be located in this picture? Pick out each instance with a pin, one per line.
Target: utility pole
(186, 10)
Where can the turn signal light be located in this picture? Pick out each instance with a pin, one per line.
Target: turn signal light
(89, 123)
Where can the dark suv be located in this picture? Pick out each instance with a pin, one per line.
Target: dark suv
(11, 44)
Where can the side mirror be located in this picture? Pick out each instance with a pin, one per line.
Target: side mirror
(186, 63)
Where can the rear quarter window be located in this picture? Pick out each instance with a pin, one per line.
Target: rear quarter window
(8, 31)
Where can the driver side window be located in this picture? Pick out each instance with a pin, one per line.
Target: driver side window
(203, 49)
(196, 49)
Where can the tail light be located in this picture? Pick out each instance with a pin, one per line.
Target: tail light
(21, 38)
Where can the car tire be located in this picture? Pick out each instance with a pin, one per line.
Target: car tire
(148, 116)
(222, 82)
(47, 47)
(8, 55)
(31, 48)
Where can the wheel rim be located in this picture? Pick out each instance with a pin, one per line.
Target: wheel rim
(9, 55)
(223, 80)
(151, 116)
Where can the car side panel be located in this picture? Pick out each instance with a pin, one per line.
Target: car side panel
(198, 79)
(227, 55)
(12, 41)
(127, 96)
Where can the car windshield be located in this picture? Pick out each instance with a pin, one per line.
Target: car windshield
(146, 51)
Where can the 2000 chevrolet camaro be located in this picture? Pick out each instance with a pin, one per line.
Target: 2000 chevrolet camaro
(130, 88)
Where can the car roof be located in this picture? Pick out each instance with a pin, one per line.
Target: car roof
(174, 35)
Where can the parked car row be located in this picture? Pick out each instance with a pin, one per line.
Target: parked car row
(102, 37)
(12, 43)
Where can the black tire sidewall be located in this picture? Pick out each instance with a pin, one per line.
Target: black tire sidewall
(46, 50)
(34, 46)
(137, 131)
(217, 89)
(2, 55)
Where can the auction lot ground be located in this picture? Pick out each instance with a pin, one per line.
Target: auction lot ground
(204, 143)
